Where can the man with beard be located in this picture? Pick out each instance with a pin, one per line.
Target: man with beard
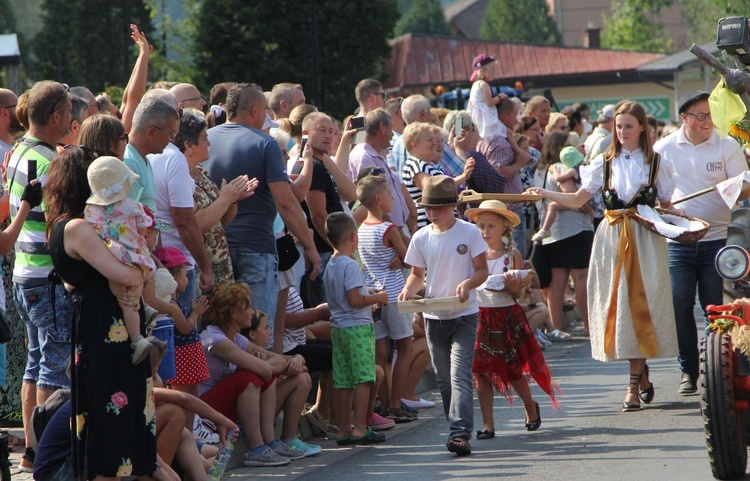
(9, 124)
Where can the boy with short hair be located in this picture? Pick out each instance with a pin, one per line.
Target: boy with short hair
(380, 243)
(452, 253)
(352, 332)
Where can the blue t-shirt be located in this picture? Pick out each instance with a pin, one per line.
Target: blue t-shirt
(344, 274)
(236, 150)
(143, 190)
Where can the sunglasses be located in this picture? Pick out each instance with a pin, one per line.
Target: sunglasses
(8, 107)
(89, 154)
(382, 94)
(125, 137)
(193, 99)
(64, 94)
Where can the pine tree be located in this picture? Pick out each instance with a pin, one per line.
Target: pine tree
(270, 42)
(424, 16)
(87, 42)
(525, 21)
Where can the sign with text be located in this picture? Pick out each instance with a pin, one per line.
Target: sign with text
(656, 106)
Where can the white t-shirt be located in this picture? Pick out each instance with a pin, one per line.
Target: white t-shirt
(448, 258)
(701, 166)
(175, 188)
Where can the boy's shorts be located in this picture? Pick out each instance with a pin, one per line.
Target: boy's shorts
(392, 324)
(164, 331)
(353, 356)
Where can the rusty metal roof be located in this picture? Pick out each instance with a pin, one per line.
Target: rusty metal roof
(425, 60)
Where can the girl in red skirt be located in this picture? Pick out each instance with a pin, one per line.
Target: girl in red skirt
(505, 349)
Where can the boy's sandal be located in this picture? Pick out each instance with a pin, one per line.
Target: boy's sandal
(370, 437)
(344, 441)
(399, 416)
(486, 434)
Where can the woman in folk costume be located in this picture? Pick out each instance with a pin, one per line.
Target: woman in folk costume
(630, 310)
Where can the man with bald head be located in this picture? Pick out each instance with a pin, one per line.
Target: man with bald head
(85, 94)
(9, 124)
(240, 147)
(49, 106)
(284, 97)
(188, 97)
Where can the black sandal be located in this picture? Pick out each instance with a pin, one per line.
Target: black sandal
(486, 434)
(646, 395)
(633, 388)
(459, 445)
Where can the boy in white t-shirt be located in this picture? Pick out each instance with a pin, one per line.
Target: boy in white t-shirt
(452, 254)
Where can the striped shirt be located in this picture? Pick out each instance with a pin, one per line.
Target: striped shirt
(412, 167)
(375, 254)
(33, 262)
(294, 337)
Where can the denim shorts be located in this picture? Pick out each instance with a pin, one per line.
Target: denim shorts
(49, 336)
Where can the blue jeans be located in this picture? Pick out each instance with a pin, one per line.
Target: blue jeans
(691, 265)
(164, 331)
(260, 273)
(451, 344)
(49, 336)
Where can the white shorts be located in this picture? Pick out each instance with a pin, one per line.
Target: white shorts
(392, 324)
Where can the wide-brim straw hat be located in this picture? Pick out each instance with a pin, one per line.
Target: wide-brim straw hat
(495, 207)
(438, 191)
(110, 180)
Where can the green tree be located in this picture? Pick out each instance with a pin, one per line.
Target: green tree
(424, 16)
(527, 21)
(87, 42)
(634, 25)
(701, 16)
(270, 42)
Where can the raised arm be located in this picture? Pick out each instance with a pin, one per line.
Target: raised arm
(136, 87)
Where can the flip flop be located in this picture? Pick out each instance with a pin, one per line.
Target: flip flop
(558, 335)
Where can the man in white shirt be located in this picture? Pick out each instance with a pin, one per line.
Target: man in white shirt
(701, 159)
(601, 137)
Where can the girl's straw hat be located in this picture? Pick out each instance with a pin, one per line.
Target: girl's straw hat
(110, 180)
(495, 207)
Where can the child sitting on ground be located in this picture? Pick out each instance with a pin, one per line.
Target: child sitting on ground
(571, 158)
(291, 393)
(380, 242)
(121, 223)
(451, 253)
(352, 333)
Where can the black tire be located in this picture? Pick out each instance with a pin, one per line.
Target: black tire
(723, 424)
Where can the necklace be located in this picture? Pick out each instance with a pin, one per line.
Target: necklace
(506, 262)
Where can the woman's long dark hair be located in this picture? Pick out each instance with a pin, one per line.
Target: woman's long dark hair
(67, 187)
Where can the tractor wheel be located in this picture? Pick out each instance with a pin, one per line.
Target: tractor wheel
(723, 424)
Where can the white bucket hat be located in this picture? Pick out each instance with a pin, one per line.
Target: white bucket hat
(110, 180)
(164, 284)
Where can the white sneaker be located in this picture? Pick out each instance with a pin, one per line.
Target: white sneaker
(205, 435)
(421, 404)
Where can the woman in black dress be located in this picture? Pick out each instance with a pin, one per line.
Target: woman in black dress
(113, 404)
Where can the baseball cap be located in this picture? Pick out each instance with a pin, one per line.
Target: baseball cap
(570, 157)
(689, 98)
(170, 257)
(606, 113)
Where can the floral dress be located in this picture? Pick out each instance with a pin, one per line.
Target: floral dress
(117, 224)
(112, 400)
(214, 239)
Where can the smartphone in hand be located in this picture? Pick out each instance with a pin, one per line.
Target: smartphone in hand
(31, 169)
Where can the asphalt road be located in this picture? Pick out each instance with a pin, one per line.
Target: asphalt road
(588, 438)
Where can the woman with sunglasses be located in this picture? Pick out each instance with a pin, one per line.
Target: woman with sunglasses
(104, 135)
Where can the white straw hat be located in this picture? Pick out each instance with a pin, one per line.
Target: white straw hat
(110, 180)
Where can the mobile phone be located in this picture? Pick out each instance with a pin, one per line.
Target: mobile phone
(358, 123)
(31, 168)
(459, 125)
(302, 145)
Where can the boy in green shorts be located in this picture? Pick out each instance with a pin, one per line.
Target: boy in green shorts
(352, 332)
